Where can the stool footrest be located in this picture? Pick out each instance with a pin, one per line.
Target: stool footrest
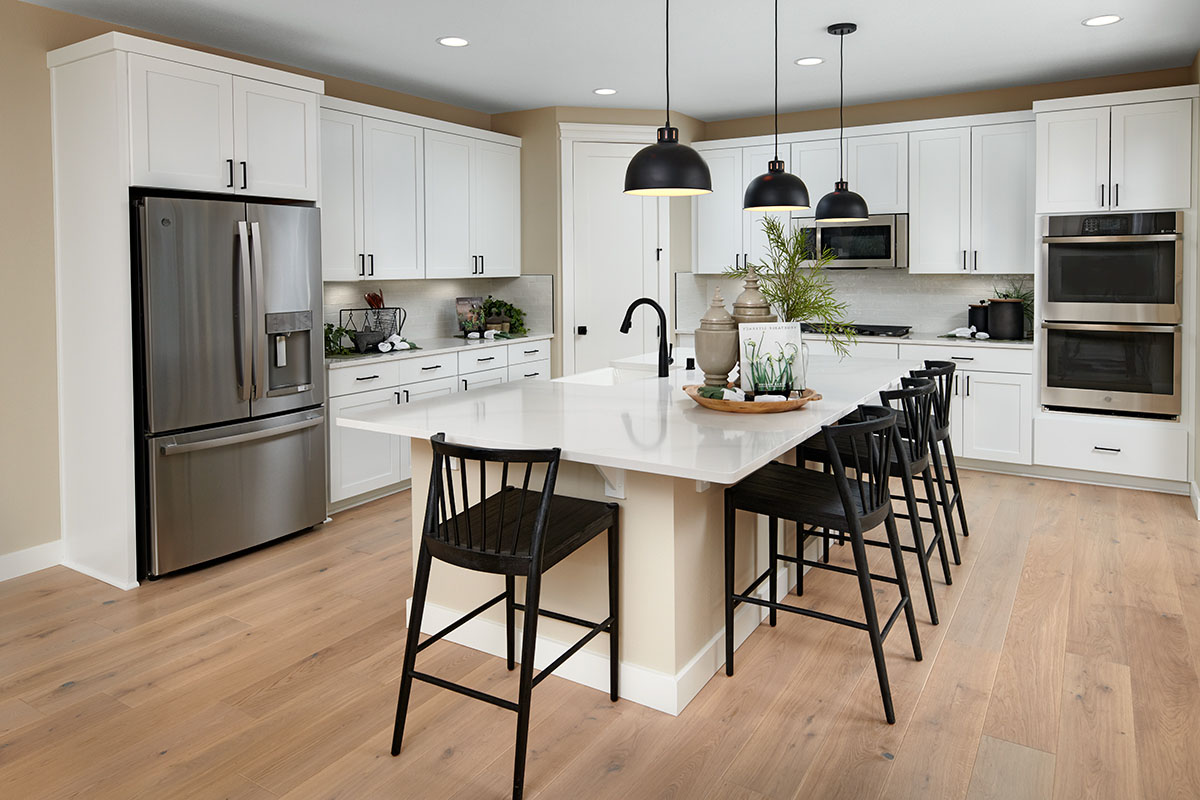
(598, 628)
(807, 612)
(460, 622)
(542, 612)
(848, 571)
(465, 690)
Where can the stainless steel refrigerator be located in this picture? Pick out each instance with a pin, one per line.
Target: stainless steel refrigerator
(231, 377)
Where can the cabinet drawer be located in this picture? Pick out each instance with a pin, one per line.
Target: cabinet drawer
(529, 351)
(977, 359)
(533, 371)
(1146, 450)
(481, 359)
(424, 368)
(363, 377)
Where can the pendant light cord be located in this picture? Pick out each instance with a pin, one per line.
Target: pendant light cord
(776, 80)
(841, 106)
(667, 59)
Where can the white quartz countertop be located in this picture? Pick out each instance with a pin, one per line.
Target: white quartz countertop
(432, 347)
(927, 337)
(646, 424)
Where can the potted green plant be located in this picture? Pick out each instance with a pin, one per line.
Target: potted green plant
(504, 312)
(796, 285)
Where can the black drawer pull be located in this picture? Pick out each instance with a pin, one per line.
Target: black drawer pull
(489, 358)
(532, 352)
(962, 358)
(1107, 449)
(532, 374)
(435, 366)
(367, 378)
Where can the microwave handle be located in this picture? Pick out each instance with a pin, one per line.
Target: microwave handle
(1089, 326)
(1144, 237)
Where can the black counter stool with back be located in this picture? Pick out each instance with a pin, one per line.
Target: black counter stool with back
(912, 462)
(514, 532)
(942, 373)
(820, 502)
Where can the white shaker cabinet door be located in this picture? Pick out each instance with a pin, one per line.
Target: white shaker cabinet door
(877, 168)
(817, 164)
(496, 209)
(939, 230)
(1072, 160)
(449, 162)
(341, 196)
(478, 380)
(275, 140)
(410, 393)
(1002, 174)
(181, 126)
(361, 461)
(1152, 156)
(718, 215)
(755, 161)
(393, 197)
(996, 419)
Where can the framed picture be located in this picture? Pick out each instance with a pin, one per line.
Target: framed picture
(770, 357)
(470, 314)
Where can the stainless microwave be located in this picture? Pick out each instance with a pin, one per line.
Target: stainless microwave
(878, 242)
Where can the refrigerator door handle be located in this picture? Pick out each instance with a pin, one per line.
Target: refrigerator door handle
(245, 334)
(172, 448)
(260, 312)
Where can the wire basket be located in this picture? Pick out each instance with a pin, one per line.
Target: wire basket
(388, 321)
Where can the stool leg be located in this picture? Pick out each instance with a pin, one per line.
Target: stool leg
(958, 498)
(862, 568)
(772, 562)
(614, 605)
(927, 480)
(533, 592)
(902, 583)
(940, 473)
(914, 521)
(420, 589)
(510, 622)
(730, 519)
(801, 540)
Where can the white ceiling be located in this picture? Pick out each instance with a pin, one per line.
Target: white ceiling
(534, 53)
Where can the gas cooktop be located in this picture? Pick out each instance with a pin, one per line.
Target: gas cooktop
(894, 331)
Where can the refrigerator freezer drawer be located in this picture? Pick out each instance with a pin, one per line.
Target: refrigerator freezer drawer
(222, 490)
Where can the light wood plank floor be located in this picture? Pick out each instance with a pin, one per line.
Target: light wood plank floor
(1066, 666)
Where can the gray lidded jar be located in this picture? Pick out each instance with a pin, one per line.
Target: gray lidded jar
(716, 343)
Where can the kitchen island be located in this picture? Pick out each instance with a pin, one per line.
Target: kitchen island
(641, 441)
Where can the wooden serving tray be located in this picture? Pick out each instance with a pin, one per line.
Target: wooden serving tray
(749, 406)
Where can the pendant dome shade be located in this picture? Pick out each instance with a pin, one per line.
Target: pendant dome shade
(667, 169)
(776, 190)
(842, 205)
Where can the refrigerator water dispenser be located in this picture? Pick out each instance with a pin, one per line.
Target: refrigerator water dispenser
(290, 352)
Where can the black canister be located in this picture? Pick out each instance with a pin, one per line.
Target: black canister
(1006, 319)
(977, 316)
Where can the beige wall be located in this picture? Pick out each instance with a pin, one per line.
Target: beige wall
(28, 403)
(1017, 98)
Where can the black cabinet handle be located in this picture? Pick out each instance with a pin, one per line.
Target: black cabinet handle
(968, 386)
(962, 358)
(435, 366)
(464, 384)
(402, 392)
(976, 256)
(489, 358)
(532, 352)
(581, 330)
(367, 378)
(532, 374)
(371, 259)
(737, 260)
(964, 259)
(956, 386)
(1102, 195)
(243, 174)
(229, 161)
(362, 266)
(1116, 195)
(482, 266)
(1107, 449)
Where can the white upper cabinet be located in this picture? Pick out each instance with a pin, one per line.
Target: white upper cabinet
(342, 253)
(496, 209)
(1151, 155)
(275, 140)
(718, 215)
(1002, 173)
(817, 164)
(1072, 160)
(877, 168)
(939, 229)
(393, 196)
(472, 207)
(181, 126)
(199, 129)
(754, 163)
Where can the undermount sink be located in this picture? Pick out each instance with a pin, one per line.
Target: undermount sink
(607, 376)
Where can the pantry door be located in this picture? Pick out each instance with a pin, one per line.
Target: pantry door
(616, 258)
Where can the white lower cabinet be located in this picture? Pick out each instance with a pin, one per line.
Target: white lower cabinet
(531, 371)
(360, 461)
(410, 393)
(1140, 448)
(995, 412)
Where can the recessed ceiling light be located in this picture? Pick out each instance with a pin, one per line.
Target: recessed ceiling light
(809, 61)
(453, 41)
(604, 92)
(1102, 20)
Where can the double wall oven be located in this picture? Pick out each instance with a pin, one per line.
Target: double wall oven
(1112, 311)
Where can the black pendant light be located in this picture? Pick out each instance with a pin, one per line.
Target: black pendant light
(842, 205)
(667, 168)
(776, 190)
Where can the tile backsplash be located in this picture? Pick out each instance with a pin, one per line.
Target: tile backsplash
(430, 303)
(929, 303)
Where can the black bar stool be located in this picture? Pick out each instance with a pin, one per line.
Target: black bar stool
(829, 501)
(913, 403)
(512, 532)
(942, 373)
